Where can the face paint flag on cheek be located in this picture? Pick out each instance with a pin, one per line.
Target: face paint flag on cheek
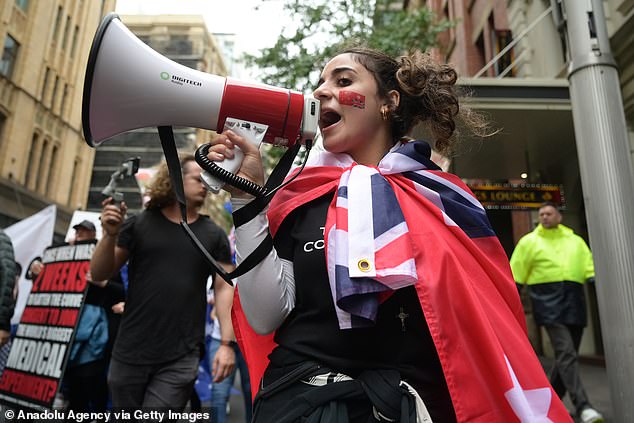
(350, 98)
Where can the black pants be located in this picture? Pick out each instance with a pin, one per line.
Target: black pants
(153, 386)
(564, 375)
(87, 386)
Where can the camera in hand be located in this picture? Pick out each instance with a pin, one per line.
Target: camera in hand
(127, 169)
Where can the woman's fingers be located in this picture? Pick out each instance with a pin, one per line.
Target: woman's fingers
(220, 152)
(250, 166)
(245, 145)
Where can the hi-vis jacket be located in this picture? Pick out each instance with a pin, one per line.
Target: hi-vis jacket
(554, 263)
(551, 255)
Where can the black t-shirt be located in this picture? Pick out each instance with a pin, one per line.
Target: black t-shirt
(164, 314)
(311, 330)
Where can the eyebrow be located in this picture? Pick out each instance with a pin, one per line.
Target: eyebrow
(335, 72)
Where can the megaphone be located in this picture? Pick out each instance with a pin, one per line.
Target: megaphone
(128, 86)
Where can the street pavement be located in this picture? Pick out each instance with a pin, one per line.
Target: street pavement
(594, 378)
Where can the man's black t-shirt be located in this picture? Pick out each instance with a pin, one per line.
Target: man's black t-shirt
(164, 313)
(399, 340)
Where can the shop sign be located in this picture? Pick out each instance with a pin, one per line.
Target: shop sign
(517, 197)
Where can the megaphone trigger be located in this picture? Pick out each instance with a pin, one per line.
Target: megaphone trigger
(215, 175)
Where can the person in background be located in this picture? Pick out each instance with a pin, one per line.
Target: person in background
(16, 287)
(410, 314)
(6, 348)
(7, 283)
(85, 378)
(555, 263)
(84, 386)
(159, 343)
(221, 390)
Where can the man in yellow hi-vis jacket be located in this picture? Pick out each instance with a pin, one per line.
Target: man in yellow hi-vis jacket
(555, 263)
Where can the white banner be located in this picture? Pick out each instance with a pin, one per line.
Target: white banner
(79, 216)
(30, 237)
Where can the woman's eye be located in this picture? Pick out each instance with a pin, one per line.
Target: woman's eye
(344, 82)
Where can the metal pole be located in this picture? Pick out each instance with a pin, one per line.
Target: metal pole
(608, 186)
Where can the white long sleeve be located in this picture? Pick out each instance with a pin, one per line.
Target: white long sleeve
(267, 292)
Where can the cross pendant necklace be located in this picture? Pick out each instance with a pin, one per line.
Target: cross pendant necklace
(402, 315)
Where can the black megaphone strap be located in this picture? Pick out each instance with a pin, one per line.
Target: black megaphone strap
(243, 215)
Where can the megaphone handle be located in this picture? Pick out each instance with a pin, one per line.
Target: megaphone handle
(225, 172)
(214, 184)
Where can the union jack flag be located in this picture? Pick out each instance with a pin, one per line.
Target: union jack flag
(372, 253)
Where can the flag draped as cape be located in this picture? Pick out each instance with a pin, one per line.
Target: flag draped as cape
(465, 287)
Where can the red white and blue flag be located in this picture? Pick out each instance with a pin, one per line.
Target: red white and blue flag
(406, 222)
(370, 254)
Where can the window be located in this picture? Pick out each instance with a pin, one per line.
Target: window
(66, 29)
(73, 185)
(45, 84)
(3, 120)
(9, 56)
(179, 45)
(22, 4)
(481, 53)
(501, 39)
(51, 170)
(74, 45)
(54, 92)
(58, 21)
(63, 103)
(40, 176)
(29, 165)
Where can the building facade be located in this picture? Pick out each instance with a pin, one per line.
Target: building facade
(512, 56)
(44, 158)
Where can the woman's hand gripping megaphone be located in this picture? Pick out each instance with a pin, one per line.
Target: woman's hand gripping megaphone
(229, 146)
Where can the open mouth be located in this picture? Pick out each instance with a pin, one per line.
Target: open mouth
(329, 118)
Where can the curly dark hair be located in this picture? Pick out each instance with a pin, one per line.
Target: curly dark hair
(427, 94)
(160, 188)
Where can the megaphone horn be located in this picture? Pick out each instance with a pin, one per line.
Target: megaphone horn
(129, 86)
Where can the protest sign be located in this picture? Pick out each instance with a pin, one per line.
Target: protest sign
(40, 350)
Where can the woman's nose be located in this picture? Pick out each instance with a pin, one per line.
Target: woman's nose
(322, 92)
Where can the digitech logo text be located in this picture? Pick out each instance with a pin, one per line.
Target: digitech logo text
(181, 81)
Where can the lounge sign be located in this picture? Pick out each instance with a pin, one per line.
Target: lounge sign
(517, 197)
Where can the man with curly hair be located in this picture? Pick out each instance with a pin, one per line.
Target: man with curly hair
(156, 354)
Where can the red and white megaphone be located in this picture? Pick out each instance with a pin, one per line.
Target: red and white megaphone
(129, 86)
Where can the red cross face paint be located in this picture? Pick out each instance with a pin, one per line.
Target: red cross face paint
(350, 98)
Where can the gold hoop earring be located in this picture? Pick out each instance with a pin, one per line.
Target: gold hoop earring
(385, 113)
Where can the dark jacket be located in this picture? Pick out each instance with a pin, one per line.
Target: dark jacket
(7, 280)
